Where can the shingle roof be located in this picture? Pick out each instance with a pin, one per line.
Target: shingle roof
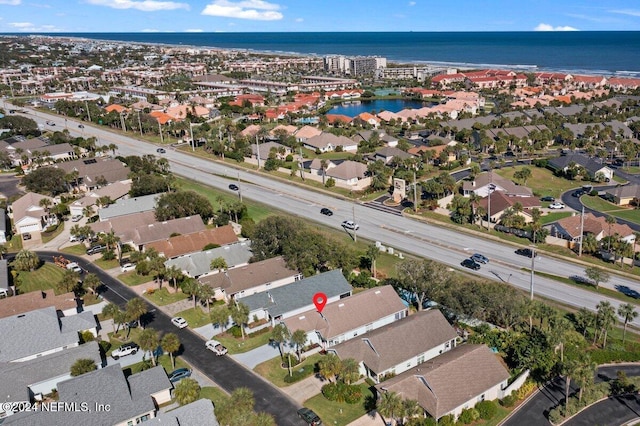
(156, 231)
(80, 322)
(502, 184)
(592, 225)
(298, 295)
(189, 243)
(249, 276)
(4, 277)
(198, 413)
(28, 205)
(18, 376)
(91, 169)
(148, 382)
(348, 169)
(32, 333)
(447, 381)
(591, 164)
(349, 313)
(127, 206)
(399, 341)
(625, 191)
(199, 263)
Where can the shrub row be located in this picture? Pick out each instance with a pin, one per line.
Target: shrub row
(299, 374)
(340, 392)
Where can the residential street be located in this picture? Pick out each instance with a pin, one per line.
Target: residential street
(224, 371)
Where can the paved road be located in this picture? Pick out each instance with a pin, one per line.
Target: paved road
(536, 411)
(576, 204)
(227, 373)
(437, 242)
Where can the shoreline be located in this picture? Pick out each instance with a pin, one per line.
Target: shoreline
(398, 63)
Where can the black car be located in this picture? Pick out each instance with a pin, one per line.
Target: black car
(26, 236)
(233, 187)
(179, 374)
(471, 264)
(548, 198)
(161, 150)
(325, 211)
(80, 126)
(578, 193)
(309, 416)
(526, 252)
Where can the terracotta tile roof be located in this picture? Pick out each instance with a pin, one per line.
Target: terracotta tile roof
(33, 300)
(335, 118)
(399, 341)
(592, 225)
(116, 108)
(349, 313)
(446, 382)
(252, 275)
(189, 243)
(161, 117)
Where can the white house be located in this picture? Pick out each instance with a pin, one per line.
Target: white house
(29, 216)
(399, 346)
(349, 317)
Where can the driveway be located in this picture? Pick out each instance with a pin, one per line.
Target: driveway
(257, 356)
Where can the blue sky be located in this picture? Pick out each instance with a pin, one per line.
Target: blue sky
(30, 16)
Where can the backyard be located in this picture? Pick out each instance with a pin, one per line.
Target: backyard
(542, 181)
(602, 205)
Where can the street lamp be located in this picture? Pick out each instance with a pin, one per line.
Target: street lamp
(492, 188)
(533, 273)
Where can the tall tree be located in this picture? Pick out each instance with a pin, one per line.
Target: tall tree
(389, 405)
(170, 342)
(280, 334)
(186, 391)
(240, 315)
(110, 310)
(299, 339)
(82, 365)
(149, 341)
(424, 278)
(135, 309)
(606, 319)
(330, 366)
(69, 280)
(92, 282)
(26, 260)
(597, 275)
(373, 252)
(628, 313)
(611, 220)
(220, 316)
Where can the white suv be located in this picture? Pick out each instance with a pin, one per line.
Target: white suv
(349, 224)
(124, 350)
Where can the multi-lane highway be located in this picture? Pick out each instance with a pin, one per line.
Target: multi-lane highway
(405, 235)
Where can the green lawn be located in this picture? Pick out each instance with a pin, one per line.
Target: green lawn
(76, 249)
(552, 217)
(163, 297)
(131, 278)
(238, 346)
(196, 317)
(107, 264)
(601, 205)
(542, 181)
(340, 414)
(273, 371)
(214, 394)
(14, 245)
(48, 236)
(45, 277)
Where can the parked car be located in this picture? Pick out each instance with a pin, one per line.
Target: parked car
(525, 252)
(471, 264)
(96, 249)
(577, 193)
(479, 258)
(26, 236)
(74, 238)
(311, 418)
(233, 187)
(127, 267)
(215, 347)
(50, 123)
(325, 211)
(179, 374)
(124, 350)
(349, 224)
(556, 205)
(76, 218)
(179, 322)
(161, 151)
(73, 266)
(548, 198)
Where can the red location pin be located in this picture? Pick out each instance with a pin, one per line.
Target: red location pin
(320, 299)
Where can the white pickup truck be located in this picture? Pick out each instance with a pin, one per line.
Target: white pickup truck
(73, 266)
(216, 347)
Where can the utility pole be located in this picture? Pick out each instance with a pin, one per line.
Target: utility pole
(124, 126)
(415, 193)
(258, 150)
(355, 230)
(140, 124)
(239, 188)
(581, 231)
(86, 104)
(301, 165)
(533, 266)
(160, 131)
(193, 141)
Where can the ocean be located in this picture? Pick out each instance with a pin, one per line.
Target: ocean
(586, 52)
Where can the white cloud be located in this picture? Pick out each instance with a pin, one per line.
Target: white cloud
(630, 12)
(143, 5)
(546, 27)
(150, 30)
(10, 2)
(193, 30)
(299, 19)
(30, 27)
(20, 24)
(412, 3)
(257, 10)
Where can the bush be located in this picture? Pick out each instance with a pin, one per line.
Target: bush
(508, 400)
(108, 255)
(210, 246)
(486, 409)
(526, 388)
(235, 331)
(370, 381)
(86, 336)
(447, 420)
(340, 392)
(299, 374)
(468, 416)
(105, 345)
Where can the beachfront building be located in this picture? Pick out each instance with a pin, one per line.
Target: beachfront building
(354, 65)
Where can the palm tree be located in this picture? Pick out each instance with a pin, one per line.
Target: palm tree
(45, 203)
(330, 366)
(110, 310)
(299, 339)
(136, 308)
(173, 274)
(411, 408)
(186, 391)
(373, 252)
(323, 165)
(92, 281)
(206, 293)
(606, 318)
(69, 280)
(220, 315)
(350, 371)
(280, 334)
(390, 405)
(26, 260)
(149, 341)
(218, 263)
(628, 313)
(170, 343)
(240, 315)
(611, 220)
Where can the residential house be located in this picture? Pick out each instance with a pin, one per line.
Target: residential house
(346, 174)
(114, 191)
(500, 202)
(326, 142)
(400, 345)
(292, 299)
(625, 195)
(181, 112)
(197, 413)
(130, 400)
(197, 264)
(369, 118)
(29, 216)
(242, 281)
(456, 380)
(4, 279)
(41, 332)
(127, 206)
(594, 167)
(266, 148)
(307, 132)
(24, 381)
(569, 228)
(3, 226)
(65, 304)
(196, 241)
(484, 183)
(387, 154)
(92, 171)
(349, 317)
